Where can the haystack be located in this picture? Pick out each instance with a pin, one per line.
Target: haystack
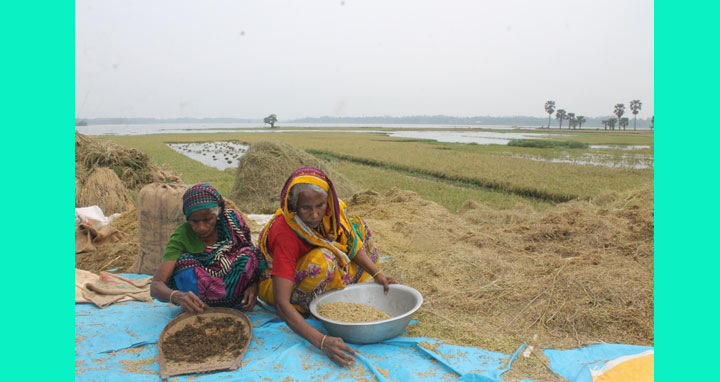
(577, 274)
(264, 169)
(103, 188)
(78, 190)
(132, 166)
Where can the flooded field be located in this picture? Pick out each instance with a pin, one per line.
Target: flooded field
(620, 147)
(476, 137)
(220, 155)
(637, 161)
(224, 154)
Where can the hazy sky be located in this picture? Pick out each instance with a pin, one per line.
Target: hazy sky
(247, 59)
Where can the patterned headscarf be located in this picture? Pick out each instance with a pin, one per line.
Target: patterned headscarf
(342, 235)
(200, 197)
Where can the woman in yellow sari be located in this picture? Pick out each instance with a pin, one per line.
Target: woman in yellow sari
(312, 245)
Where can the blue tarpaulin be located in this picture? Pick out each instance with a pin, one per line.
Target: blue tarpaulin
(119, 343)
(575, 364)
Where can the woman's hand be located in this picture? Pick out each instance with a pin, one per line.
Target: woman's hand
(333, 347)
(250, 296)
(385, 280)
(364, 261)
(188, 301)
(338, 351)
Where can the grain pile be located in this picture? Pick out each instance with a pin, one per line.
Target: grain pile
(264, 169)
(580, 273)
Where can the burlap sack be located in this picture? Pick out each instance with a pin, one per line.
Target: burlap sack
(108, 288)
(87, 238)
(159, 213)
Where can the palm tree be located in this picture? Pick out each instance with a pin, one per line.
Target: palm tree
(611, 122)
(619, 111)
(652, 122)
(605, 124)
(580, 120)
(571, 120)
(549, 108)
(624, 121)
(635, 106)
(560, 115)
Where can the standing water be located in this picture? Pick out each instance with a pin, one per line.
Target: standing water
(220, 155)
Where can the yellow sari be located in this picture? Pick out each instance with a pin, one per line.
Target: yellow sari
(328, 266)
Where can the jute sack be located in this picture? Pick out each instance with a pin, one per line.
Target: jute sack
(159, 213)
(109, 288)
(87, 237)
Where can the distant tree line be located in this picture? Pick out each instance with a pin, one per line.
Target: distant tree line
(608, 124)
(519, 121)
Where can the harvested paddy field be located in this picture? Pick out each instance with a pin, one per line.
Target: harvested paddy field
(447, 173)
(504, 250)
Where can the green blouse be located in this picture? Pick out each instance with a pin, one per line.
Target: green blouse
(183, 240)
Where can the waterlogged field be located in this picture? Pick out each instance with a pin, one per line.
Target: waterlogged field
(448, 173)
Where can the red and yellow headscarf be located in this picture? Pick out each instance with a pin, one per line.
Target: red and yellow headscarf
(343, 233)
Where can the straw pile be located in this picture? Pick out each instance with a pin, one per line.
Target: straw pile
(133, 167)
(580, 273)
(78, 190)
(103, 188)
(118, 256)
(265, 167)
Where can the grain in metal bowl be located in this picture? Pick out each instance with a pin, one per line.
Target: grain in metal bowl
(400, 303)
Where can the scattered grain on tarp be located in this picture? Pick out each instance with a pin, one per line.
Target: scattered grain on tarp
(140, 366)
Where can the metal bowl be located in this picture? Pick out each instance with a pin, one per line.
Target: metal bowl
(400, 303)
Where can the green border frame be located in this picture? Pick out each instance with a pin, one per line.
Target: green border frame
(38, 104)
(38, 166)
(685, 262)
